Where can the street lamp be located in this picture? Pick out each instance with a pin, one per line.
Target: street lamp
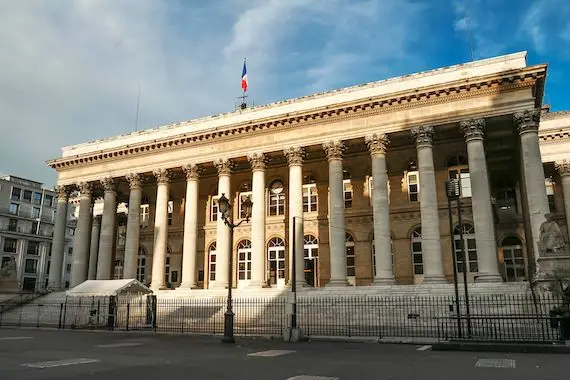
(225, 209)
(453, 190)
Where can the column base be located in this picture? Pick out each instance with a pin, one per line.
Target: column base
(488, 277)
(219, 285)
(435, 279)
(337, 283)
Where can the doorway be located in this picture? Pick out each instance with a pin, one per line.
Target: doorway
(311, 253)
(513, 259)
(276, 261)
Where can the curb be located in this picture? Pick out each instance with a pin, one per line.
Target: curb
(503, 347)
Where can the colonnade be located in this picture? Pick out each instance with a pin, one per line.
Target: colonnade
(377, 143)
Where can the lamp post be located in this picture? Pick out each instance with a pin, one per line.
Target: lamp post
(453, 189)
(225, 209)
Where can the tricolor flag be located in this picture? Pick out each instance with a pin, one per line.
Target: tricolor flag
(244, 78)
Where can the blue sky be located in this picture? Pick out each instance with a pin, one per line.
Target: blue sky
(70, 70)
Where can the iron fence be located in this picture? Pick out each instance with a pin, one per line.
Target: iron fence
(496, 318)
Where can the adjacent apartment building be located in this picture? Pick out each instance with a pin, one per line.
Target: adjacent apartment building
(27, 216)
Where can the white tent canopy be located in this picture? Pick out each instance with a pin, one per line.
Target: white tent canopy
(105, 288)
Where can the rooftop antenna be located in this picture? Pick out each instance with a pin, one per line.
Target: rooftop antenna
(137, 112)
(468, 26)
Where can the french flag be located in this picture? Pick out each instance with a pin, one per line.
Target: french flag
(244, 78)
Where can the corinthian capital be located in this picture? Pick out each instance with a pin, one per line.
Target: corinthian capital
(377, 143)
(257, 161)
(224, 166)
(527, 121)
(135, 180)
(108, 184)
(423, 136)
(192, 171)
(563, 167)
(62, 192)
(473, 128)
(162, 176)
(334, 149)
(85, 188)
(294, 155)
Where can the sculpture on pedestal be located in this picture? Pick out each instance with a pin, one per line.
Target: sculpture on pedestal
(551, 241)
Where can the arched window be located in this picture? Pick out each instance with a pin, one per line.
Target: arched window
(458, 167)
(513, 263)
(141, 265)
(276, 261)
(276, 202)
(470, 248)
(212, 261)
(349, 244)
(311, 254)
(309, 194)
(413, 181)
(167, 265)
(348, 192)
(244, 259)
(374, 258)
(417, 256)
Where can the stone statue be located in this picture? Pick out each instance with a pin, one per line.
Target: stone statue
(551, 241)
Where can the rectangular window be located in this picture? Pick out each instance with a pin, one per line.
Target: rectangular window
(10, 245)
(37, 198)
(31, 266)
(549, 183)
(350, 264)
(13, 225)
(214, 208)
(465, 179)
(14, 208)
(35, 212)
(347, 193)
(276, 204)
(310, 198)
(16, 193)
(33, 248)
(244, 264)
(27, 195)
(413, 186)
(242, 197)
(170, 212)
(144, 217)
(48, 200)
(35, 227)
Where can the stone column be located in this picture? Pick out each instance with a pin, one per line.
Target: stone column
(133, 226)
(80, 258)
(108, 230)
(537, 200)
(190, 247)
(257, 162)
(223, 249)
(295, 160)
(563, 167)
(431, 244)
(58, 244)
(160, 229)
(337, 231)
(377, 144)
(481, 202)
(95, 230)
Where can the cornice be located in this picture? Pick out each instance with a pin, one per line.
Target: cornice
(507, 81)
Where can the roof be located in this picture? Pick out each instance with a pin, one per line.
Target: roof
(92, 288)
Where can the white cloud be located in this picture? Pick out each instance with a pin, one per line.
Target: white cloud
(69, 71)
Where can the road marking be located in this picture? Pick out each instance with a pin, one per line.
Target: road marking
(16, 337)
(271, 353)
(60, 363)
(424, 348)
(113, 345)
(495, 363)
(307, 377)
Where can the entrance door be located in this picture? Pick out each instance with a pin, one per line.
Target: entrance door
(276, 260)
(513, 259)
(311, 252)
(470, 252)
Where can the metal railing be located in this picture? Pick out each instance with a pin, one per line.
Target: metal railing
(493, 318)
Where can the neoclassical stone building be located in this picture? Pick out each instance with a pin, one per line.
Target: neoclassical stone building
(361, 170)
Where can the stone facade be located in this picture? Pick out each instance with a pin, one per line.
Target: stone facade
(361, 170)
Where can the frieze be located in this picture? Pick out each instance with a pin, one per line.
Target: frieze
(422, 135)
(295, 155)
(334, 149)
(192, 171)
(377, 143)
(134, 180)
(527, 121)
(430, 95)
(473, 128)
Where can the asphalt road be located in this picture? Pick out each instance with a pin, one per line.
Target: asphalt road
(39, 354)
